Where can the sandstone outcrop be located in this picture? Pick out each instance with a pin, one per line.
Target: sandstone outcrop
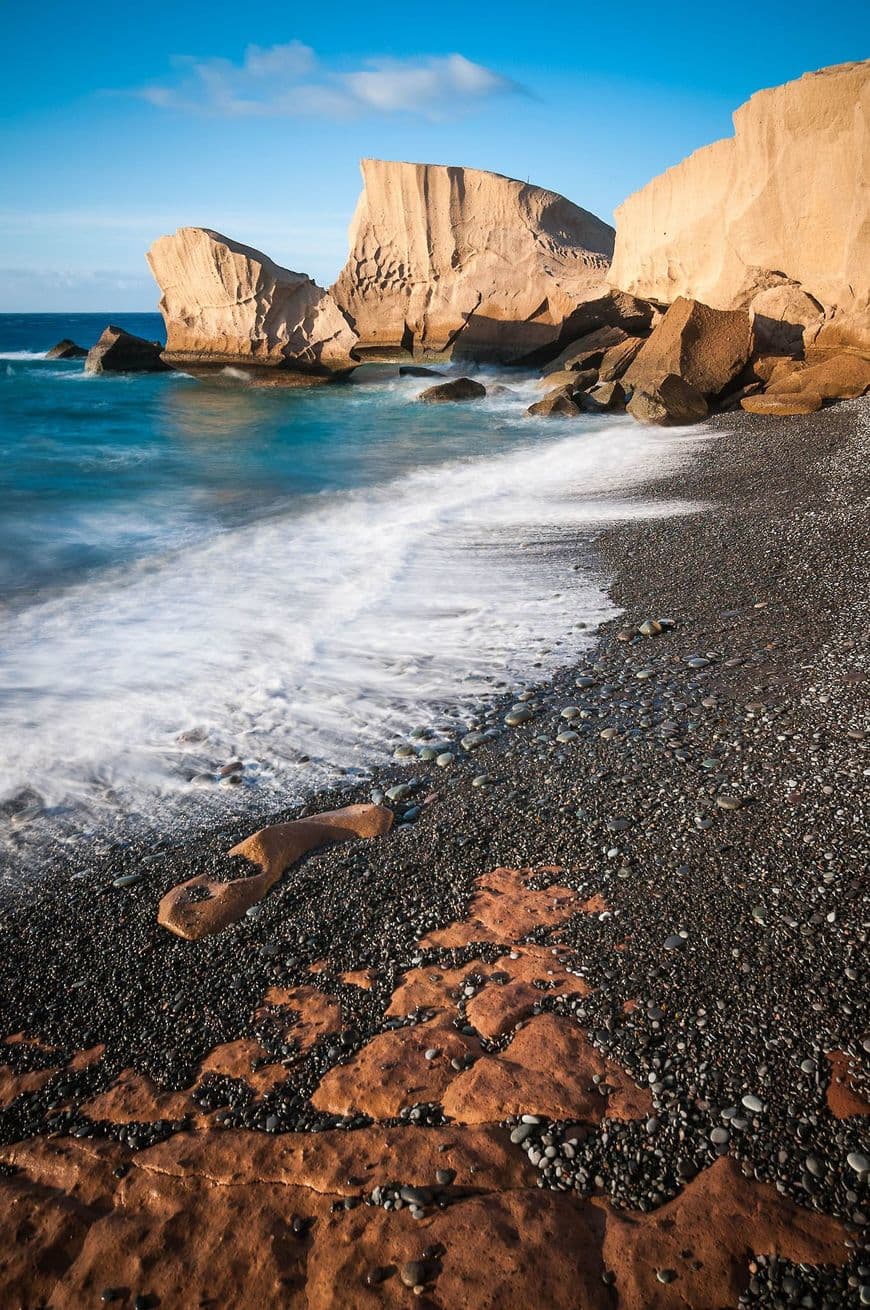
(668, 400)
(458, 389)
(457, 261)
(66, 349)
(706, 347)
(780, 208)
(118, 351)
(226, 304)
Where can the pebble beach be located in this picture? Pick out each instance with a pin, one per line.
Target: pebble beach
(596, 1005)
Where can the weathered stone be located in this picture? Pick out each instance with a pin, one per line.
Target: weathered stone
(802, 402)
(66, 349)
(705, 347)
(589, 350)
(202, 906)
(606, 396)
(468, 263)
(780, 315)
(458, 389)
(118, 351)
(225, 303)
(837, 376)
(574, 379)
(558, 403)
(618, 359)
(668, 400)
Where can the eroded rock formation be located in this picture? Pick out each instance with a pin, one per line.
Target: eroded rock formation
(773, 219)
(226, 304)
(465, 262)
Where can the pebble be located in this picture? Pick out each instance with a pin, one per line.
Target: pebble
(858, 1161)
(127, 880)
(752, 1103)
(400, 792)
(720, 1137)
(445, 759)
(412, 1273)
(729, 802)
(675, 943)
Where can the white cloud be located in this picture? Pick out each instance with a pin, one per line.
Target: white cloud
(289, 80)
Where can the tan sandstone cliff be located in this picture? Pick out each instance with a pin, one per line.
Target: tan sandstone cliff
(780, 211)
(225, 303)
(467, 262)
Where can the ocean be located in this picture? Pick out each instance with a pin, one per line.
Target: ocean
(193, 573)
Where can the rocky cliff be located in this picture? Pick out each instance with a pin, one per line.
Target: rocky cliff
(224, 303)
(469, 263)
(777, 212)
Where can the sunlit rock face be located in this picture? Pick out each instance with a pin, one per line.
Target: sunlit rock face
(226, 304)
(463, 262)
(782, 203)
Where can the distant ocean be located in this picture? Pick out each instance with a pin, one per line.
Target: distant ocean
(192, 573)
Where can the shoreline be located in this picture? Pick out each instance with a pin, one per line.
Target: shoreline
(630, 847)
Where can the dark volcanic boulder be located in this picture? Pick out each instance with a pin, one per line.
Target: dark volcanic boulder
(458, 389)
(66, 349)
(118, 351)
(668, 400)
(705, 347)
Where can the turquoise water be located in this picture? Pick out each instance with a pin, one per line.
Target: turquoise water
(192, 572)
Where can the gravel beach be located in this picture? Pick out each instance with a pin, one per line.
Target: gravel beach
(597, 1005)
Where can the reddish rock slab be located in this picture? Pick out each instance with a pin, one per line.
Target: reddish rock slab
(47, 1207)
(391, 1071)
(843, 1099)
(339, 1163)
(707, 1235)
(186, 1243)
(237, 1060)
(202, 906)
(314, 1013)
(509, 1251)
(135, 1098)
(13, 1084)
(505, 909)
(547, 1069)
(432, 988)
(497, 1008)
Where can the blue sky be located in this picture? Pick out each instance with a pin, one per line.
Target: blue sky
(252, 119)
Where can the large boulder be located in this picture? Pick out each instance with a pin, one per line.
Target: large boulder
(118, 351)
(561, 402)
(227, 304)
(589, 350)
(66, 349)
(668, 400)
(802, 402)
(781, 202)
(837, 376)
(457, 389)
(706, 347)
(461, 262)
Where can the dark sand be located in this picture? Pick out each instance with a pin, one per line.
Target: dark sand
(768, 596)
